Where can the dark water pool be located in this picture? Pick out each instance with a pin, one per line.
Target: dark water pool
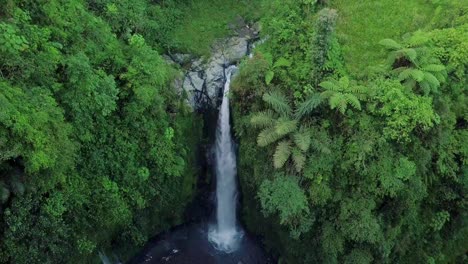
(189, 244)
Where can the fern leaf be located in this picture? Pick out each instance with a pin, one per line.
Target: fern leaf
(282, 62)
(328, 85)
(432, 80)
(335, 100)
(417, 75)
(278, 102)
(269, 77)
(320, 147)
(267, 136)
(302, 140)
(282, 153)
(408, 73)
(392, 56)
(434, 68)
(308, 106)
(344, 82)
(390, 44)
(342, 106)
(410, 83)
(410, 54)
(327, 94)
(440, 75)
(426, 87)
(285, 126)
(262, 119)
(417, 40)
(353, 101)
(299, 159)
(358, 89)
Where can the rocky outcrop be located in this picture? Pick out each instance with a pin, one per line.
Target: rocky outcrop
(203, 79)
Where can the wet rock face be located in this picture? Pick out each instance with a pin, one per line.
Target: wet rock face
(203, 79)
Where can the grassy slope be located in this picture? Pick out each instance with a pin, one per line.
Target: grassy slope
(206, 20)
(362, 24)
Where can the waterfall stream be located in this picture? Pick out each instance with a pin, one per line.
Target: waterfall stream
(221, 242)
(225, 235)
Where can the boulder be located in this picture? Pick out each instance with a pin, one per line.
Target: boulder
(204, 79)
(235, 49)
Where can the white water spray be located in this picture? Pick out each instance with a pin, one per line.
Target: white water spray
(225, 235)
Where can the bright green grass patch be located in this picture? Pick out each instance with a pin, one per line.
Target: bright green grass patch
(363, 23)
(203, 21)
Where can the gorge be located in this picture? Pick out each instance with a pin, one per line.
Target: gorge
(217, 239)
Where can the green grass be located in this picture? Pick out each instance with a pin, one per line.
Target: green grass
(363, 23)
(203, 21)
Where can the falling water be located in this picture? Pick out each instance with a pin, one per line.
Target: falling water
(225, 235)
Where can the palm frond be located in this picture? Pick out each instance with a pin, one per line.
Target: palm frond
(282, 153)
(278, 102)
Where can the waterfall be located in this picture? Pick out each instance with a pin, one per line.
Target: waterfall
(225, 235)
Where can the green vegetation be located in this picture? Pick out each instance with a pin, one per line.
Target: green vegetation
(362, 24)
(201, 22)
(352, 119)
(370, 116)
(96, 149)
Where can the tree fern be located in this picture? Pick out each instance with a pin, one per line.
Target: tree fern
(420, 69)
(262, 119)
(336, 100)
(431, 79)
(280, 124)
(353, 101)
(343, 83)
(330, 85)
(342, 92)
(267, 136)
(282, 153)
(308, 106)
(285, 126)
(342, 104)
(278, 102)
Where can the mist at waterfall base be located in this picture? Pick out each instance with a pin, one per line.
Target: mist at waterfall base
(217, 240)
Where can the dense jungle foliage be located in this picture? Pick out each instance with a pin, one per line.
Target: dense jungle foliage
(351, 118)
(360, 109)
(96, 149)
